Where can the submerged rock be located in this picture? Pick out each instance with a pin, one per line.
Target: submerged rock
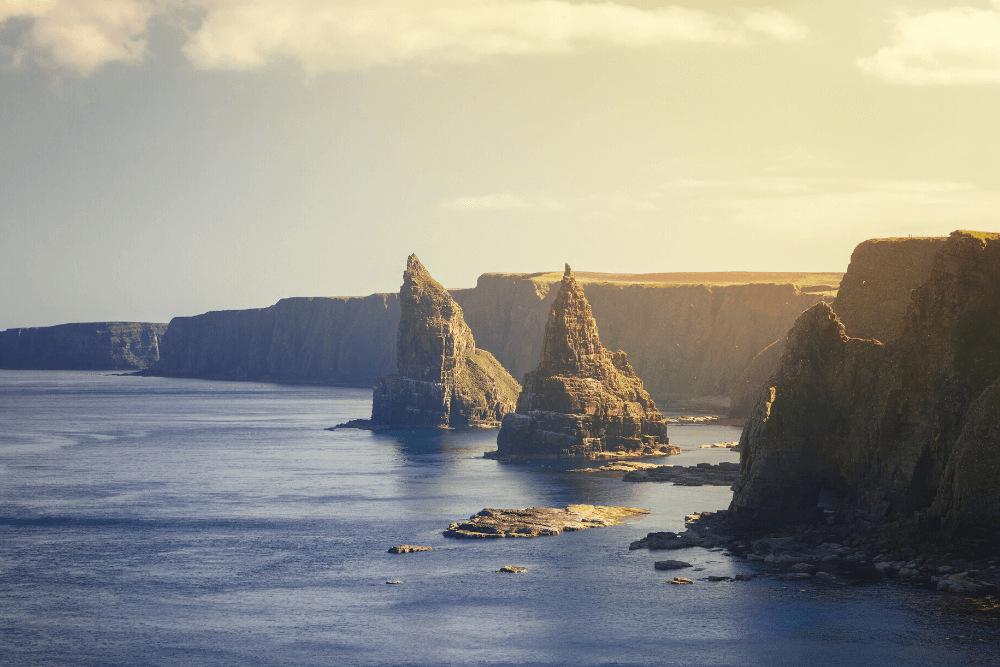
(538, 521)
(408, 549)
(512, 569)
(443, 380)
(581, 401)
(671, 565)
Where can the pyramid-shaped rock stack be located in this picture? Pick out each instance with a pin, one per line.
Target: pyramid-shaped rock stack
(582, 401)
(443, 380)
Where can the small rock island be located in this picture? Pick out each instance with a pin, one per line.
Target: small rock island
(539, 521)
(582, 401)
(443, 380)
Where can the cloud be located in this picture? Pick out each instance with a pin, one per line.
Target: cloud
(359, 34)
(499, 202)
(80, 35)
(956, 46)
(338, 35)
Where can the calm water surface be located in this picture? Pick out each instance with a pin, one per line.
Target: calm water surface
(154, 521)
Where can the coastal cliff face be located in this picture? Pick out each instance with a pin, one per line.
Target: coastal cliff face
(443, 380)
(82, 346)
(581, 401)
(870, 303)
(338, 341)
(903, 432)
(683, 339)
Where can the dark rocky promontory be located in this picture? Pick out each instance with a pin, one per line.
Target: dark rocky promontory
(902, 436)
(582, 401)
(85, 346)
(443, 380)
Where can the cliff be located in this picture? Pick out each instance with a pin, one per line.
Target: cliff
(870, 303)
(685, 334)
(903, 432)
(581, 401)
(443, 380)
(83, 346)
(317, 340)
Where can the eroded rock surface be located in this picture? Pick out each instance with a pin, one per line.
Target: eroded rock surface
(443, 380)
(82, 346)
(581, 401)
(904, 433)
(538, 521)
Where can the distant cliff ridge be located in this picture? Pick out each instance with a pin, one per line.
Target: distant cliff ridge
(338, 340)
(82, 346)
(685, 334)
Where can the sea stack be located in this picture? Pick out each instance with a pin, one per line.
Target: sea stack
(582, 401)
(443, 380)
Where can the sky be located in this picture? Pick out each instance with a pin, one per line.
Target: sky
(164, 158)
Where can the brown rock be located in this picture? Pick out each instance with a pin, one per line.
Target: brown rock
(538, 521)
(512, 569)
(582, 401)
(443, 380)
(905, 432)
(408, 549)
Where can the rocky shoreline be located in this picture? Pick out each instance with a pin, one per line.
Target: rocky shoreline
(833, 554)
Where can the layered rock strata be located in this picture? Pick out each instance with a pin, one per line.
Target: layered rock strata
(539, 521)
(702, 474)
(83, 346)
(870, 303)
(581, 401)
(902, 433)
(443, 381)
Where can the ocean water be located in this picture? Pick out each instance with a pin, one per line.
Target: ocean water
(155, 521)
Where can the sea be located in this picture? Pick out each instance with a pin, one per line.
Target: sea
(162, 521)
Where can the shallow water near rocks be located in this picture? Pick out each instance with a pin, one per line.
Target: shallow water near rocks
(155, 521)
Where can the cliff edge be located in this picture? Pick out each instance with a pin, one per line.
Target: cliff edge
(581, 401)
(901, 433)
(443, 381)
(82, 346)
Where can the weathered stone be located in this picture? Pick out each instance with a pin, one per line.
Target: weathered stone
(408, 549)
(443, 381)
(680, 580)
(904, 432)
(582, 401)
(538, 521)
(671, 565)
(512, 569)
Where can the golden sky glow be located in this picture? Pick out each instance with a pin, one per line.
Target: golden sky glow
(170, 157)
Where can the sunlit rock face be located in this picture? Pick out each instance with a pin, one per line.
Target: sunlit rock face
(904, 432)
(443, 381)
(581, 401)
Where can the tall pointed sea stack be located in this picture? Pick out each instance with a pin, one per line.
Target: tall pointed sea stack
(582, 401)
(443, 379)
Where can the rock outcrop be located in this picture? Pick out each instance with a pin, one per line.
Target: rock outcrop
(84, 346)
(871, 302)
(539, 521)
(443, 381)
(311, 340)
(581, 401)
(903, 433)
